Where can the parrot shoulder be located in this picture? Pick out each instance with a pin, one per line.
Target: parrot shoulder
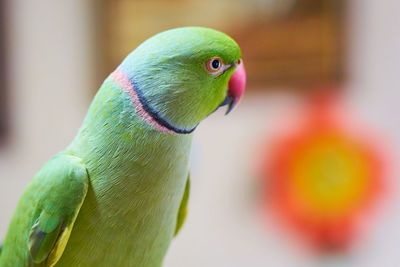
(62, 185)
(183, 207)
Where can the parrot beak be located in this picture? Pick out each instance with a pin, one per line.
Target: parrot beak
(236, 87)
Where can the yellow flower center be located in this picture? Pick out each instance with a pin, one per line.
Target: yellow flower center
(330, 176)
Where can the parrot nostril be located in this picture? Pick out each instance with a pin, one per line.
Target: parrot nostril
(239, 61)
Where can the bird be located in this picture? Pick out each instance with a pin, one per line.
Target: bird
(117, 195)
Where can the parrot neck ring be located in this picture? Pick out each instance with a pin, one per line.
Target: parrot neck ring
(142, 107)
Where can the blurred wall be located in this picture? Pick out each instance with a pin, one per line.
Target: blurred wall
(374, 57)
(50, 55)
(374, 88)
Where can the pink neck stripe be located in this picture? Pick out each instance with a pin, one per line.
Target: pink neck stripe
(142, 109)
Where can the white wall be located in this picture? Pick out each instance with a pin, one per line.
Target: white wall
(50, 56)
(375, 59)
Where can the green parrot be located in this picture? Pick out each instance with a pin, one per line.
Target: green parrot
(117, 195)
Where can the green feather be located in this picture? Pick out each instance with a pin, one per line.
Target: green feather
(183, 207)
(49, 206)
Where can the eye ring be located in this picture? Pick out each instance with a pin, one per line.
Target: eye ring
(214, 65)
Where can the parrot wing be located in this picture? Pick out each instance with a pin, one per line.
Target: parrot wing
(183, 207)
(62, 184)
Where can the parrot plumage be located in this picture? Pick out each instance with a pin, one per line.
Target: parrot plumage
(117, 195)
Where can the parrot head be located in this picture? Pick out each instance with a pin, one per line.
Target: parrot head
(180, 76)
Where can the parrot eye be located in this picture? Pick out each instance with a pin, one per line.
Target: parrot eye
(214, 65)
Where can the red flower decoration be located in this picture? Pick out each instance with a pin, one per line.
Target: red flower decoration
(323, 176)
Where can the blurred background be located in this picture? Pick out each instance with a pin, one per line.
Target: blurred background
(55, 54)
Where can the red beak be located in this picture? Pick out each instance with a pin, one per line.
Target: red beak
(236, 86)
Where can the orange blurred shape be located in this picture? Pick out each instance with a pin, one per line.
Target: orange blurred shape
(323, 176)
